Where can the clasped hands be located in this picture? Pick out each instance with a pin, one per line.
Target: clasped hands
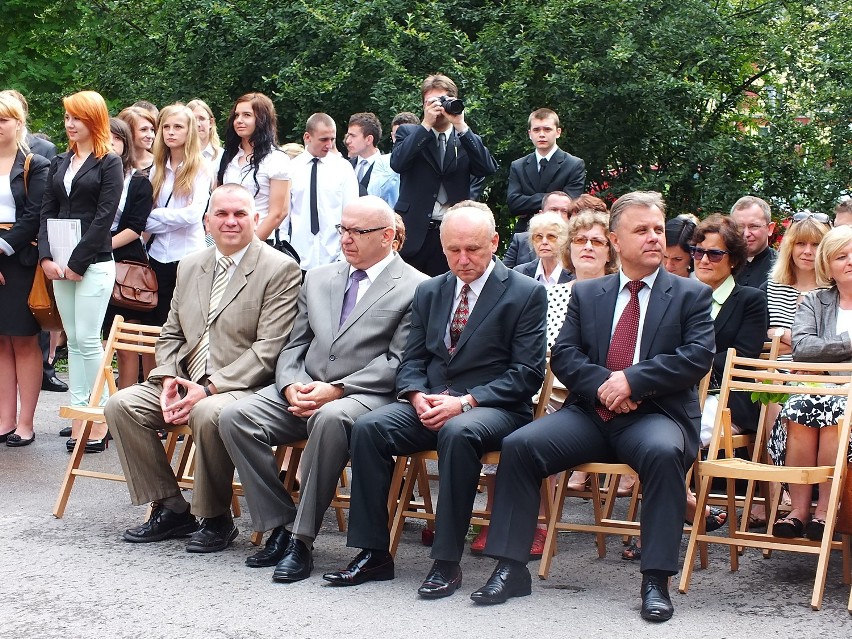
(306, 399)
(55, 272)
(176, 407)
(615, 393)
(433, 411)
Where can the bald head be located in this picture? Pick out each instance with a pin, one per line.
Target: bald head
(469, 239)
(369, 213)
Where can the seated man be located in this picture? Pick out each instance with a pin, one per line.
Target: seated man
(233, 308)
(340, 363)
(474, 358)
(633, 348)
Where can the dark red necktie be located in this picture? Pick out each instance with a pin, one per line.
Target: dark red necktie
(459, 319)
(623, 344)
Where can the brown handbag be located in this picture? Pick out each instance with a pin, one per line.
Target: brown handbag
(135, 286)
(42, 303)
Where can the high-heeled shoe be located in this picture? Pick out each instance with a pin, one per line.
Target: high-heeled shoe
(579, 483)
(97, 445)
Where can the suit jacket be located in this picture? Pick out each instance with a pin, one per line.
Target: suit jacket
(39, 146)
(815, 337)
(675, 353)
(519, 251)
(500, 355)
(364, 353)
(252, 323)
(529, 268)
(27, 206)
(95, 193)
(756, 272)
(527, 186)
(415, 158)
(742, 323)
(137, 208)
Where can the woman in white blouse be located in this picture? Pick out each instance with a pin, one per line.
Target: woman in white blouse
(252, 158)
(208, 137)
(181, 180)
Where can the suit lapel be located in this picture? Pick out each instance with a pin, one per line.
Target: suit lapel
(336, 291)
(438, 328)
(452, 153)
(546, 176)
(17, 168)
(658, 303)
(88, 164)
(531, 170)
(238, 280)
(493, 290)
(604, 311)
(204, 284)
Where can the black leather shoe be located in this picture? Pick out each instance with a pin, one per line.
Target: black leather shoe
(53, 383)
(507, 580)
(656, 603)
(213, 534)
(65, 432)
(368, 565)
(273, 551)
(443, 580)
(296, 564)
(163, 524)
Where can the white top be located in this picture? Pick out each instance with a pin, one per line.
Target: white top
(275, 166)
(7, 201)
(68, 178)
(548, 281)
(539, 157)
(624, 297)
(844, 321)
(336, 187)
(213, 156)
(177, 223)
(476, 287)
(121, 203)
(372, 273)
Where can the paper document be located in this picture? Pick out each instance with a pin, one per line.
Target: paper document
(63, 236)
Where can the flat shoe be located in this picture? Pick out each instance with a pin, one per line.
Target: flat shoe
(65, 432)
(788, 528)
(16, 441)
(5, 436)
(815, 529)
(756, 522)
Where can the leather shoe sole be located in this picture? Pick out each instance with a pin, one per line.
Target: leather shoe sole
(213, 545)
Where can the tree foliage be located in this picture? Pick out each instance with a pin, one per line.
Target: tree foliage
(702, 100)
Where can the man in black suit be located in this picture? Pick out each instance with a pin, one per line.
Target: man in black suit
(474, 358)
(439, 163)
(755, 219)
(546, 169)
(633, 348)
(520, 251)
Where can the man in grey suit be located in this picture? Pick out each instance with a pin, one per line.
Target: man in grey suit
(233, 308)
(340, 363)
(474, 358)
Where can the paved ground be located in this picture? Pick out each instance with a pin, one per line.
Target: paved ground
(75, 577)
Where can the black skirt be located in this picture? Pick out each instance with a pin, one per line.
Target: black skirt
(15, 316)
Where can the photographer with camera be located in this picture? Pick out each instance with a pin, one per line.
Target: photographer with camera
(440, 163)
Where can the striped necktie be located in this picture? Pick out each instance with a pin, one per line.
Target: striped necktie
(197, 359)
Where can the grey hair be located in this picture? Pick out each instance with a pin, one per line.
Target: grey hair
(647, 199)
(751, 200)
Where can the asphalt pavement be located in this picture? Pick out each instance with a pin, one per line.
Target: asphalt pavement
(75, 577)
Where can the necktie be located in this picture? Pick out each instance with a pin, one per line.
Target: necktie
(542, 165)
(351, 295)
(362, 168)
(459, 319)
(442, 147)
(314, 207)
(623, 344)
(197, 359)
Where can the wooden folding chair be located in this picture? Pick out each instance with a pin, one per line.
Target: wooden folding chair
(768, 376)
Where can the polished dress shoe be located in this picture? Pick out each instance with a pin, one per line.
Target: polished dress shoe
(13, 440)
(163, 524)
(296, 564)
(65, 432)
(368, 565)
(213, 534)
(507, 580)
(656, 603)
(443, 579)
(53, 383)
(273, 551)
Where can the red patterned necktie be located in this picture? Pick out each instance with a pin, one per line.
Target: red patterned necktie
(623, 344)
(459, 319)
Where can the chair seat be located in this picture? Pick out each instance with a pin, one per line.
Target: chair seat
(86, 413)
(746, 469)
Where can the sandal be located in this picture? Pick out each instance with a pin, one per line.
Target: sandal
(715, 520)
(632, 553)
(756, 522)
(815, 529)
(788, 528)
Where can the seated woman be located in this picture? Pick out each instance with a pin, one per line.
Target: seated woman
(821, 333)
(548, 235)
(676, 257)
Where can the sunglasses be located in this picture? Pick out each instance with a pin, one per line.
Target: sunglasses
(596, 241)
(819, 217)
(714, 255)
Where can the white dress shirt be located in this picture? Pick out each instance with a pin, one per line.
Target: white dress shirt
(544, 279)
(336, 187)
(176, 222)
(624, 297)
(549, 156)
(372, 273)
(476, 287)
(275, 166)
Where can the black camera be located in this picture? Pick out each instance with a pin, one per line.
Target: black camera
(453, 106)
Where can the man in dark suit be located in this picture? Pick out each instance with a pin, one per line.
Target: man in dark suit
(372, 168)
(474, 358)
(546, 169)
(755, 219)
(520, 250)
(632, 350)
(438, 162)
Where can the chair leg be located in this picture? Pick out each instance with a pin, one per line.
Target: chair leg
(555, 516)
(71, 471)
(691, 547)
(405, 498)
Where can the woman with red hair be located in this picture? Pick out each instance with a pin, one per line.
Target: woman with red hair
(83, 184)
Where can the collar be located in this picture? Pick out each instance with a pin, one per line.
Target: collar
(554, 276)
(478, 284)
(760, 255)
(169, 165)
(648, 279)
(376, 269)
(724, 290)
(237, 257)
(446, 132)
(539, 157)
(370, 158)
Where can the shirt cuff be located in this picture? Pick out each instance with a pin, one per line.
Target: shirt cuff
(6, 247)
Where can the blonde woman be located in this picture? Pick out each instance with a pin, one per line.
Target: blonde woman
(208, 137)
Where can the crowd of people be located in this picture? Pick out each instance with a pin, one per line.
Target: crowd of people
(358, 303)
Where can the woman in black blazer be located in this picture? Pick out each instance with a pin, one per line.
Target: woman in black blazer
(20, 203)
(137, 199)
(84, 184)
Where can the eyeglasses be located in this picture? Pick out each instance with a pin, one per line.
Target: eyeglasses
(819, 217)
(754, 228)
(714, 255)
(353, 232)
(596, 241)
(550, 237)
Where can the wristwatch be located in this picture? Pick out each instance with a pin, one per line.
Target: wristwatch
(465, 404)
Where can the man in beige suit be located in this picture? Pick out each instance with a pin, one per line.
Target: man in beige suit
(233, 308)
(340, 363)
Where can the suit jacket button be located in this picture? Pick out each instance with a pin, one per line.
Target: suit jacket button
(331, 358)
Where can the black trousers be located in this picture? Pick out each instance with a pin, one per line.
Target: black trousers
(653, 445)
(430, 259)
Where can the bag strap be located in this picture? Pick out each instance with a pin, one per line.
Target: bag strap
(27, 174)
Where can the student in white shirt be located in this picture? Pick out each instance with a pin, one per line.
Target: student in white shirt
(181, 179)
(252, 158)
(208, 137)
